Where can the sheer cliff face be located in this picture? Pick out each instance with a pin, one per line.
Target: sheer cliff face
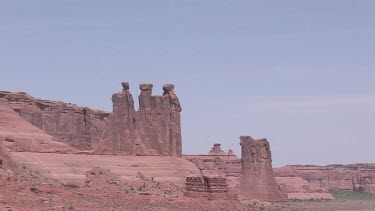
(80, 127)
(154, 129)
(256, 179)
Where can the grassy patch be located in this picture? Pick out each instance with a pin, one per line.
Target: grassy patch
(310, 200)
(350, 195)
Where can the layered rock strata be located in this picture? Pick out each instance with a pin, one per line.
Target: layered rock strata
(224, 166)
(212, 186)
(154, 129)
(216, 184)
(296, 187)
(195, 184)
(80, 127)
(352, 177)
(257, 179)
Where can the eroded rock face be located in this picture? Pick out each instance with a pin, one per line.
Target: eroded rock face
(21, 136)
(216, 150)
(296, 187)
(221, 166)
(154, 129)
(257, 179)
(211, 187)
(351, 177)
(80, 127)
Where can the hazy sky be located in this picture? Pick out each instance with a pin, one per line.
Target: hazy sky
(300, 73)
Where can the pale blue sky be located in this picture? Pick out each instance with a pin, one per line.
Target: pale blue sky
(300, 73)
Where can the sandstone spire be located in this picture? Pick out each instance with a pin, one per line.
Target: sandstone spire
(154, 129)
(256, 179)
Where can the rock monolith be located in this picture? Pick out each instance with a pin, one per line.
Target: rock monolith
(257, 180)
(154, 129)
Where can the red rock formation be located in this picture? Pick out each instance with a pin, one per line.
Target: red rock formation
(257, 180)
(364, 183)
(154, 129)
(121, 136)
(216, 150)
(80, 127)
(206, 186)
(297, 187)
(19, 135)
(228, 166)
(195, 184)
(352, 177)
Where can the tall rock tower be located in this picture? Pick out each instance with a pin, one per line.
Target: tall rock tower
(256, 179)
(154, 129)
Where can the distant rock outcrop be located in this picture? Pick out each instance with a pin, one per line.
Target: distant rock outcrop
(80, 127)
(257, 179)
(154, 129)
(296, 187)
(351, 177)
(216, 150)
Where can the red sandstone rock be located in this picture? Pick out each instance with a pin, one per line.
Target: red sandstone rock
(352, 177)
(6, 161)
(154, 129)
(219, 165)
(257, 180)
(80, 127)
(285, 171)
(210, 187)
(216, 150)
(297, 187)
(19, 135)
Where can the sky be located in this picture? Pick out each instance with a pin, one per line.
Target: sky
(299, 73)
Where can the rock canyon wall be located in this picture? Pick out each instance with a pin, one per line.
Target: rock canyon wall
(20, 136)
(79, 127)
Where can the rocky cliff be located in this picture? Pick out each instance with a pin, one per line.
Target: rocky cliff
(19, 135)
(222, 166)
(154, 129)
(352, 177)
(80, 127)
(296, 187)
